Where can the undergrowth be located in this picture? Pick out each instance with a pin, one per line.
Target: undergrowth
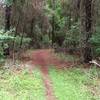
(76, 84)
(67, 57)
(21, 86)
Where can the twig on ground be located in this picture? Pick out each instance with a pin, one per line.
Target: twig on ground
(95, 63)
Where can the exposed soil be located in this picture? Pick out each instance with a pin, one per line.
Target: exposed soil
(47, 58)
(44, 59)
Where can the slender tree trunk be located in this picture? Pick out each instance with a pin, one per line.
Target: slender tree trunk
(32, 25)
(53, 29)
(7, 17)
(86, 29)
(53, 22)
(69, 20)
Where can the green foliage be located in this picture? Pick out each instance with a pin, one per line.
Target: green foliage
(1, 56)
(8, 38)
(54, 10)
(46, 41)
(5, 36)
(25, 42)
(68, 57)
(5, 39)
(8, 2)
(75, 84)
(72, 37)
(95, 40)
(23, 86)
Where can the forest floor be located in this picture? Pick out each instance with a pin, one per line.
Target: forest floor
(50, 76)
(44, 59)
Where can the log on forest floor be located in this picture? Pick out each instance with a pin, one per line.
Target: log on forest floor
(95, 63)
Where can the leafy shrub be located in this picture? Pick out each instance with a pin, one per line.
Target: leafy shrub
(9, 38)
(95, 40)
(72, 37)
(1, 56)
(23, 42)
(46, 41)
(4, 38)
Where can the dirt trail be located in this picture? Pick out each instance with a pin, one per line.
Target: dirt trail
(47, 58)
(48, 84)
(43, 59)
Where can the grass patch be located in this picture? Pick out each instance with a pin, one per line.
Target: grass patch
(21, 86)
(76, 84)
(67, 57)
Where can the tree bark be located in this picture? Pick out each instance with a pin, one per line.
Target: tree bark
(7, 17)
(86, 29)
(53, 22)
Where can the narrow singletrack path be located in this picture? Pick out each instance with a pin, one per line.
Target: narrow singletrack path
(43, 59)
(48, 84)
(47, 58)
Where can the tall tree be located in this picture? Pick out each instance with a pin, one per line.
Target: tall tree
(53, 21)
(7, 17)
(86, 29)
(8, 4)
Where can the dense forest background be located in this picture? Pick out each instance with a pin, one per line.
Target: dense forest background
(66, 25)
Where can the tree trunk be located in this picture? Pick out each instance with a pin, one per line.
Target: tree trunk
(7, 17)
(53, 29)
(86, 29)
(53, 22)
(69, 20)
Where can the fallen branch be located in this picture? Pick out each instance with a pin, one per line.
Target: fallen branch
(95, 63)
